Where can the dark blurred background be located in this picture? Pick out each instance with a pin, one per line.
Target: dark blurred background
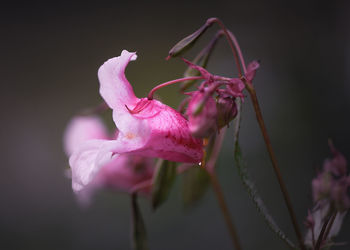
(50, 53)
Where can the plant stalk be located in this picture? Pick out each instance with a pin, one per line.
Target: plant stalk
(150, 94)
(224, 209)
(240, 63)
(273, 159)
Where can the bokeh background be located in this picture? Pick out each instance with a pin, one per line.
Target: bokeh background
(50, 53)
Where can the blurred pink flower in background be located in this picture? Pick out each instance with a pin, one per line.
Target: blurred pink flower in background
(331, 198)
(332, 182)
(81, 129)
(120, 172)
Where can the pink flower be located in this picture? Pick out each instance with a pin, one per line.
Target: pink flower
(227, 110)
(145, 128)
(119, 172)
(204, 114)
(333, 183)
(81, 129)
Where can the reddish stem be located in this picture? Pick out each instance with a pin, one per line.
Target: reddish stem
(322, 233)
(237, 53)
(223, 206)
(329, 227)
(150, 94)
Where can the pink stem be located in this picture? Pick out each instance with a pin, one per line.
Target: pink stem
(150, 94)
(240, 55)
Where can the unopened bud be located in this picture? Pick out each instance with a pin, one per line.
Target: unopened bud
(227, 110)
(188, 41)
(202, 115)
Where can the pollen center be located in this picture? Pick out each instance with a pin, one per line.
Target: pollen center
(130, 135)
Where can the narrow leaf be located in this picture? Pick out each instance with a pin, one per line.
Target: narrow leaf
(195, 183)
(162, 182)
(139, 235)
(250, 187)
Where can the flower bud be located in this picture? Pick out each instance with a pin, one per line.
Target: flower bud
(227, 110)
(189, 41)
(202, 114)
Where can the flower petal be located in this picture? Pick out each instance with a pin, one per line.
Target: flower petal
(81, 129)
(169, 136)
(86, 161)
(125, 172)
(114, 87)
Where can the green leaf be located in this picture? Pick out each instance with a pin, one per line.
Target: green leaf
(188, 41)
(162, 182)
(250, 187)
(195, 183)
(139, 235)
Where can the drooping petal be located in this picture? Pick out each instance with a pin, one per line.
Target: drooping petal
(81, 129)
(114, 87)
(86, 161)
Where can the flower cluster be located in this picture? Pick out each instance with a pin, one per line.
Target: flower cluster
(207, 114)
(330, 195)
